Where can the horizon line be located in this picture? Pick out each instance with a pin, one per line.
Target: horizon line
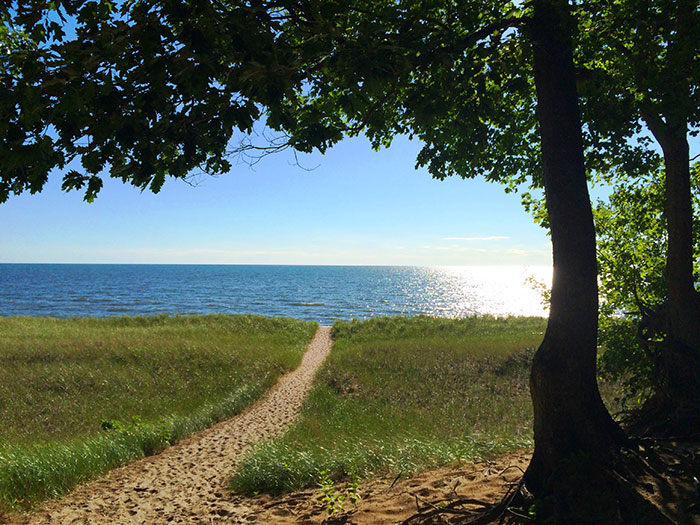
(272, 264)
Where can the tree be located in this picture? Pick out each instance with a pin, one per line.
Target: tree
(158, 88)
(632, 242)
(642, 58)
(570, 418)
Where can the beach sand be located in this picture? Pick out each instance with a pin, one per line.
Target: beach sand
(387, 500)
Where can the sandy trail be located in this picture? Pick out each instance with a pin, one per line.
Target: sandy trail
(187, 483)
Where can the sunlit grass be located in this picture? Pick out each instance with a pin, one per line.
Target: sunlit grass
(79, 396)
(400, 394)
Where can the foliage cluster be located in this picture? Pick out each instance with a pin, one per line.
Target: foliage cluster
(174, 83)
(398, 394)
(178, 84)
(80, 396)
(632, 244)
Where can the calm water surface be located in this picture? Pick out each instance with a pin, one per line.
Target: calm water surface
(318, 293)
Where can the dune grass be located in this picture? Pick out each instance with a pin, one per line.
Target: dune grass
(79, 396)
(398, 394)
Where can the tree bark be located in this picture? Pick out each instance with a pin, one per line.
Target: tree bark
(684, 315)
(570, 419)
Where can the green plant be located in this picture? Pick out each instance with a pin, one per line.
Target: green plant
(353, 488)
(542, 288)
(333, 499)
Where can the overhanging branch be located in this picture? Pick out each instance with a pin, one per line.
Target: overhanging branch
(499, 25)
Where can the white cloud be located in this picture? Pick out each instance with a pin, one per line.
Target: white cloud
(519, 251)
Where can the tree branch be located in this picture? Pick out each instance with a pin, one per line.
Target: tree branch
(498, 25)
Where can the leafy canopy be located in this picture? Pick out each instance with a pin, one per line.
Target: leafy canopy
(145, 90)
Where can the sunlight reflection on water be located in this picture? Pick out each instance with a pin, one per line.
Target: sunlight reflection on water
(455, 291)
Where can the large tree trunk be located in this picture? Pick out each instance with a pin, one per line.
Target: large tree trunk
(571, 422)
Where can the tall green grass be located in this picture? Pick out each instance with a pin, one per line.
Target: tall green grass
(399, 394)
(79, 396)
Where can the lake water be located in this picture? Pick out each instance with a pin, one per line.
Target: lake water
(318, 293)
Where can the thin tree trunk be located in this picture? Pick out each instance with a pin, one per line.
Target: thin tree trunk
(570, 418)
(670, 129)
(676, 404)
(683, 314)
(681, 351)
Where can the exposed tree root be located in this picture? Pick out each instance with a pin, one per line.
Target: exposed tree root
(471, 511)
(656, 483)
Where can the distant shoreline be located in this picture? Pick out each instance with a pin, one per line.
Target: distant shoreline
(482, 266)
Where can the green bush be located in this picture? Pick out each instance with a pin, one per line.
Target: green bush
(624, 361)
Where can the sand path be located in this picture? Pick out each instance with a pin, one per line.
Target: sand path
(187, 483)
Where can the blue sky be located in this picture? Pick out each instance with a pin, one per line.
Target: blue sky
(356, 206)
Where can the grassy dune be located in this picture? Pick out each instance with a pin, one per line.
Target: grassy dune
(80, 396)
(398, 394)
